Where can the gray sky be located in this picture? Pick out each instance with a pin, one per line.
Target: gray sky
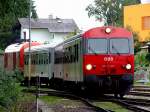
(145, 1)
(74, 9)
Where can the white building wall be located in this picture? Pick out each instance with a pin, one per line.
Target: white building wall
(43, 36)
(59, 37)
(27, 33)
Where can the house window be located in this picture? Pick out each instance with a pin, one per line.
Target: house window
(24, 35)
(146, 23)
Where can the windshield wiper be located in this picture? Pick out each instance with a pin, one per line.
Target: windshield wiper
(89, 47)
(113, 47)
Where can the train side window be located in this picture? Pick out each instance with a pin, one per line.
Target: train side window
(69, 55)
(72, 54)
(49, 58)
(55, 58)
(44, 58)
(76, 52)
(36, 58)
(25, 60)
(40, 59)
(32, 59)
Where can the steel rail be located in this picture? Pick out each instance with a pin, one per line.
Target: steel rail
(69, 95)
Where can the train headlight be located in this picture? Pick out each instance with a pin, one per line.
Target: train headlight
(88, 66)
(128, 66)
(107, 30)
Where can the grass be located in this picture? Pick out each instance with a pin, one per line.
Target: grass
(50, 99)
(53, 100)
(24, 100)
(2, 109)
(111, 106)
(146, 84)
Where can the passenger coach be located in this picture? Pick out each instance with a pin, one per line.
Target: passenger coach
(42, 60)
(14, 56)
(101, 58)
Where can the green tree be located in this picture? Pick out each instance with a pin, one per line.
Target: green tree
(137, 43)
(109, 10)
(71, 34)
(10, 11)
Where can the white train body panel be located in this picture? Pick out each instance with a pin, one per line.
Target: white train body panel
(69, 66)
(41, 61)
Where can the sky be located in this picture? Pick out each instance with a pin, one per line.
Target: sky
(67, 9)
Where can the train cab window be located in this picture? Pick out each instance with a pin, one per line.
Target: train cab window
(97, 46)
(119, 46)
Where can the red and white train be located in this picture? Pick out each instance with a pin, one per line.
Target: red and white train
(101, 58)
(14, 56)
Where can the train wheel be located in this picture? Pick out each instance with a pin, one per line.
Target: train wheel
(116, 95)
(121, 95)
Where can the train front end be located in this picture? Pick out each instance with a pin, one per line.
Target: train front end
(108, 59)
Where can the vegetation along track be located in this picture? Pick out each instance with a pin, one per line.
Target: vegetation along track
(86, 101)
(137, 105)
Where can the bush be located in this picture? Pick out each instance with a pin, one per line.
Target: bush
(9, 89)
(18, 75)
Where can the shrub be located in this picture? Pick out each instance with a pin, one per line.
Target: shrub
(9, 89)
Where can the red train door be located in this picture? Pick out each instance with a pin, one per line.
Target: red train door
(5, 60)
(14, 60)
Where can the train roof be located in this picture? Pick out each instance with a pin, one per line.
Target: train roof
(18, 46)
(101, 32)
(13, 48)
(43, 47)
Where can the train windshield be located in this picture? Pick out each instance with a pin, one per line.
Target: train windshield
(97, 46)
(113, 45)
(119, 46)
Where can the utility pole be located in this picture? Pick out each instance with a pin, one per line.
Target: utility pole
(29, 77)
(37, 93)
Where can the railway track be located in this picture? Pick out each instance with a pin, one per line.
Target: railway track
(87, 102)
(140, 91)
(135, 105)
